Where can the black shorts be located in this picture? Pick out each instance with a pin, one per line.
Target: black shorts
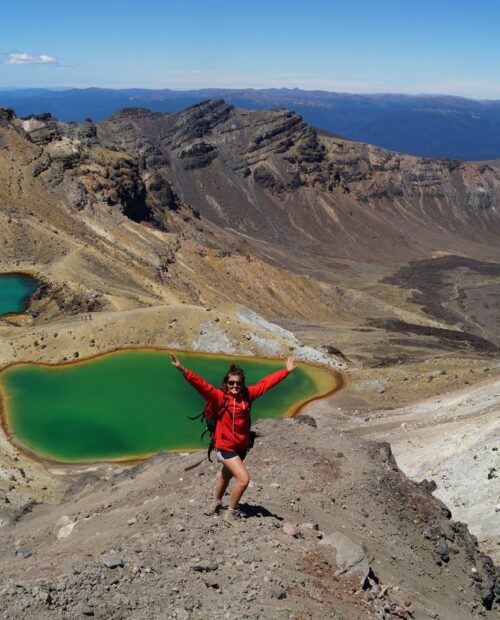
(224, 455)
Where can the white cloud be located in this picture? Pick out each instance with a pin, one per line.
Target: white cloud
(29, 59)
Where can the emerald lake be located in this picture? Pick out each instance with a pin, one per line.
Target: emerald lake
(132, 403)
(15, 291)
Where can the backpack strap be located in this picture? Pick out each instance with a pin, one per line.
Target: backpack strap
(197, 417)
(222, 407)
(249, 400)
(212, 424)
(253, 434)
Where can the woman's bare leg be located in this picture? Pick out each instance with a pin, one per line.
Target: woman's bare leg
(223, 478)
(237, 468)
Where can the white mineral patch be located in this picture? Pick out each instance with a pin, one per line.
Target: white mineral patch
(252, 318)
(63, 148)
(310, 354)
(273, 348)
(64, 527)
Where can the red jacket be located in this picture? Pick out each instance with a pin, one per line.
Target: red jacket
(233, 427)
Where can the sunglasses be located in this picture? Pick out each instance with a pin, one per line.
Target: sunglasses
(234, 383)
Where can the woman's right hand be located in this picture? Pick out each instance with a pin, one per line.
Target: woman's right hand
(176, 363)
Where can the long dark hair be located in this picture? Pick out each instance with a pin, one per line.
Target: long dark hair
(234, 370)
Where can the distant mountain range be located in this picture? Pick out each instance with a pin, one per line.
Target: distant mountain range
(425, 125)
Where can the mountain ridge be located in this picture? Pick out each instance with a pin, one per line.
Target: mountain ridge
(285, 157)
(424, 125)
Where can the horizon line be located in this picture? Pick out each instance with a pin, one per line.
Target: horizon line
(249, 88)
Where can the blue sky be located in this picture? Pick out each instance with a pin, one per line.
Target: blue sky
(430, 46)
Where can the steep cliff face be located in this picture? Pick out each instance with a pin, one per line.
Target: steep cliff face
(231, 165)
(93, 218)
(68, 158)
(69, 161)
(267, 174)
(441, 193)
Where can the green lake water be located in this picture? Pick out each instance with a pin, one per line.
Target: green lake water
(15, 291)
(131, 404)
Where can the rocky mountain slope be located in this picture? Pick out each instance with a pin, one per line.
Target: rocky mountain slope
(332, 529)
(269, 175)
(325, 220)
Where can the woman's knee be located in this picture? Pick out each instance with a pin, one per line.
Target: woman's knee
(244, 479)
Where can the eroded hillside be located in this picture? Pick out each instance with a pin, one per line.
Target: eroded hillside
(332, 529)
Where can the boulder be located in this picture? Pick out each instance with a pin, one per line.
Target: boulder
(349, 556)
(111, 560)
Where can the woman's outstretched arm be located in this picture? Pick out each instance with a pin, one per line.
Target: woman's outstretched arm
(266, 383)
(200, 385)
(177, 364)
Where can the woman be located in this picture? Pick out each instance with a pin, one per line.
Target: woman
(232, 432)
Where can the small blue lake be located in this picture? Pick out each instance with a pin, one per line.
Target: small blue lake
(15, 292)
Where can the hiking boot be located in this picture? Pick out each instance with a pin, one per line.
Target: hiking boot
(213, 509)
(233, 516)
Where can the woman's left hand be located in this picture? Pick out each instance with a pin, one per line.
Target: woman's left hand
(290, 364)
(176, 363)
